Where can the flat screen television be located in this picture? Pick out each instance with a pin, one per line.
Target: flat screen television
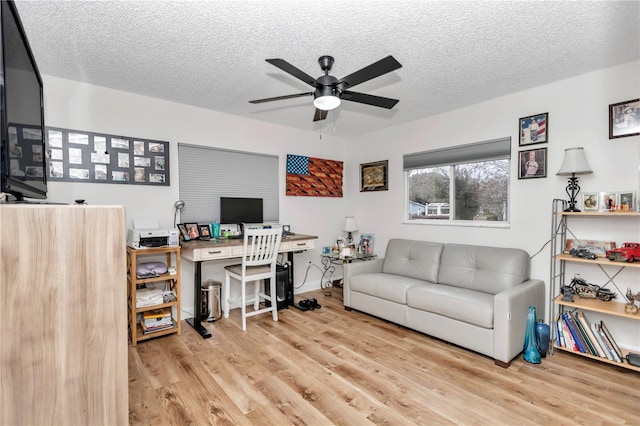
(240, 210)
(22, 149)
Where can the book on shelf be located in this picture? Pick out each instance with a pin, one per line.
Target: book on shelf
(559, 335)
(575, 333)
(589, 345)
(146, 329)
(608, 338)
(606, 348)
(568, 337)
(589, 335)
(157, 313)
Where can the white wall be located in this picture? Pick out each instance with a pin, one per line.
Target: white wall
(578, 116)
(78, 106)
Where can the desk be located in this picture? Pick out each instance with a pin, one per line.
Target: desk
(221, 249)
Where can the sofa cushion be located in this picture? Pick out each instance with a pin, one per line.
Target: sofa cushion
(385, 286)
(487, 269)
(457, 303)
(414, 259)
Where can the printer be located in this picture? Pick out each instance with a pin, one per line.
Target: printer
(146, 233)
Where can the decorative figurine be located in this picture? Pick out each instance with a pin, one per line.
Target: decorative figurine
(631, 307)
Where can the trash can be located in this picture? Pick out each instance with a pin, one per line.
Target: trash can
(211, 310)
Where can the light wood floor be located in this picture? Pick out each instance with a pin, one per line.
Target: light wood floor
(332, 366)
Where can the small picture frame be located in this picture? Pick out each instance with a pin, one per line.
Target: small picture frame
(366, 244)
(626, 201)
(534, 129)
(183, 231)
(607, 201)
(326, 250)
(374, 176)
(192, 230)
(205, 231)
(532, 164)
(590, 202)
(624, 119)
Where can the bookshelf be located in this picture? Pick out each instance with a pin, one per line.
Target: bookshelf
(134, 283)
(559, 260)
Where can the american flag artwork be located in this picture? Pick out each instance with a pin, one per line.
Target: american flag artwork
(313, 177)
(533, 129)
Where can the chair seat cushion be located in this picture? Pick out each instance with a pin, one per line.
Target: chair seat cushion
(251, 270)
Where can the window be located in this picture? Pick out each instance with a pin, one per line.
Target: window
(462, 183)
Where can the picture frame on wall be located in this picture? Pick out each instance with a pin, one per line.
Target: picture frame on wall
(534, 129)
(374, 176)
(624, 119)
(590, 201)
(532, 163)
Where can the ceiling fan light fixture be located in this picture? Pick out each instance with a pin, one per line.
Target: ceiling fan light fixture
(325, 99)
(327, 103)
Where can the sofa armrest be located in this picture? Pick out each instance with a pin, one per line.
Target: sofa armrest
(356, 268)
(511, 308)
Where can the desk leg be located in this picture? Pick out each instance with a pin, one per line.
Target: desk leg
(291, 301)
(197, 286)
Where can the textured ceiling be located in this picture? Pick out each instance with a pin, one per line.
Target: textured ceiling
(211, 54)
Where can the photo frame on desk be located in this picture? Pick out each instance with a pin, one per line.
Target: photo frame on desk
(193, 230)
(204, 231)
(183, 231)
(366, 243)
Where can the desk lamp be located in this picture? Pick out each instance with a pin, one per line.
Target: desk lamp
(178, 205)
(349, 227)
(574, 163)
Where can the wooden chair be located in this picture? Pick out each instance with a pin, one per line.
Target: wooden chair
(259, 257)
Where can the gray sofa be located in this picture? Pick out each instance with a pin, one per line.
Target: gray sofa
(476, 297)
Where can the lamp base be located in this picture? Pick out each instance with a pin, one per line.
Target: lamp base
(572, 209)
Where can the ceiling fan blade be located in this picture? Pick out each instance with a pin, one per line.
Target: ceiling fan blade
(374, 70)
(279, 98)
(320, 115)
(288, 68)
(363, 98)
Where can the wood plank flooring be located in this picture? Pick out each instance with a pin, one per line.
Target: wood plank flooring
(332, 366)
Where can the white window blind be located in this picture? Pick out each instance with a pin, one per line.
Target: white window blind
(206, 174)
(495, 149)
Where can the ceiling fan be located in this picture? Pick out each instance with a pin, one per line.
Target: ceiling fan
(329, 91)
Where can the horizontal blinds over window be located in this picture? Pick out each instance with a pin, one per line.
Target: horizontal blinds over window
(481, 151)
(206, 174)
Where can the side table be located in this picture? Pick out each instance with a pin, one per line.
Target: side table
(328, 260)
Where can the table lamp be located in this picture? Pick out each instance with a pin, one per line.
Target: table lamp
(349, 227)
(574, 163)
(178, 205)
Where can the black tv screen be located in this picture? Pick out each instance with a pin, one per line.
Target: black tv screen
(22, 148)
(240, 210)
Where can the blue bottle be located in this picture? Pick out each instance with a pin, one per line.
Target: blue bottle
(531, 353)
(542, 337)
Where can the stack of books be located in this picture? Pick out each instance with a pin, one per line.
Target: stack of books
(575, 333)
(156, 320)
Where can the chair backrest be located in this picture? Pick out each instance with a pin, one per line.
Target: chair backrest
(261, 246)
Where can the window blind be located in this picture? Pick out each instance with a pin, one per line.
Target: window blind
(480, 151)
(206, 174)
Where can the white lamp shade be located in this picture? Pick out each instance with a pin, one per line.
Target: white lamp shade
(326, 103)
(574, 162)
(350, 225)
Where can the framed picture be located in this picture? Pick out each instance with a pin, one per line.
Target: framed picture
(534, 129)
(624, 119)
(590, 201)
(366, 243)
(192, 230)
(374, 176)
(184, 232)
(607, 201)
(626, 201)
(205, 231)
(533, 164)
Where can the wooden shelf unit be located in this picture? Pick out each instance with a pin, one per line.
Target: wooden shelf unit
(133, 282)
(558, 261)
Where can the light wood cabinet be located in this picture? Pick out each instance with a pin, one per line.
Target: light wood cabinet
(63, 315)
(135, 256)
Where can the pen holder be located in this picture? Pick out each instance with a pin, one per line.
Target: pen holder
(215, 229)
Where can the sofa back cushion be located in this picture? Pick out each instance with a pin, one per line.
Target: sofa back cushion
(414, 259)
(487, 269)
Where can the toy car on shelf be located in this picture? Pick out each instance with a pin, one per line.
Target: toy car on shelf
(583, 252)
(628, 252)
